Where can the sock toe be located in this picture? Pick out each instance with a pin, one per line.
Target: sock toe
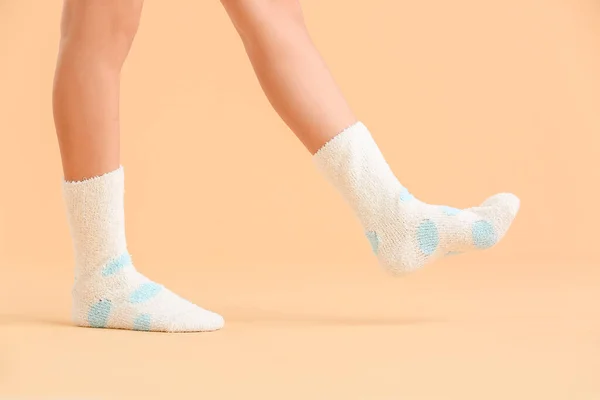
(197, 320)
(500, 211)
(507, 201)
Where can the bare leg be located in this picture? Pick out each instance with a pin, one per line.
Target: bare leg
(404, 232)
(96, 36)
(290, 69)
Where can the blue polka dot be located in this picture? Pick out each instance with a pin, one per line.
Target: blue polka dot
(142, 323)
(450, 211)
(374, 240)
(405, 195)
(484, 235)
(428, 237)
(145, 292)
(116, 265)
(99, 313)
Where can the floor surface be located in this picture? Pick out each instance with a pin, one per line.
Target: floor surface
(473, 332)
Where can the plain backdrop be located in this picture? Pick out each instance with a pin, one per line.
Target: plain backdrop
(466, 98)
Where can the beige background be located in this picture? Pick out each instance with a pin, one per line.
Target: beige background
(466, 98)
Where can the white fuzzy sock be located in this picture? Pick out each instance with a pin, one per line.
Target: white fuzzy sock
(404, 232)
(108, 291)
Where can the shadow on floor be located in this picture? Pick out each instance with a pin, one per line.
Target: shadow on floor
(274, 317)
(253, 316)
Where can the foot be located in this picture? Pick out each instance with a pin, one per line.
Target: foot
(108, 291)
(117, 296)
(404, 232)
(412, 234)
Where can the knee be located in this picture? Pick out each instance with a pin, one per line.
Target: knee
(256, 14)
(102, 27)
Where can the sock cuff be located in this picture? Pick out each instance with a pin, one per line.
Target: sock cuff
(351, 150)
(117, 174)
(95, 213)
(351, 133)
(353, 163)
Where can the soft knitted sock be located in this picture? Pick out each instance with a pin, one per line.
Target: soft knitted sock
(404, 232)
(108, 291)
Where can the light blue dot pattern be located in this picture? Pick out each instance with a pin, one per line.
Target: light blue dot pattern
(428, 237)
(484, 235)
(142, 322)
(405, 195)
(450, 211)
(145, 292)
(99, 313)
(116, 265)
(374, 240)
(453, 253)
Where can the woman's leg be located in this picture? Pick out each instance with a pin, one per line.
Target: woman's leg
(96, 36)
(290, 69)
(404, 232)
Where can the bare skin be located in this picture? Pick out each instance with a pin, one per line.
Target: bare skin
(290, 70)
(96, 36)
